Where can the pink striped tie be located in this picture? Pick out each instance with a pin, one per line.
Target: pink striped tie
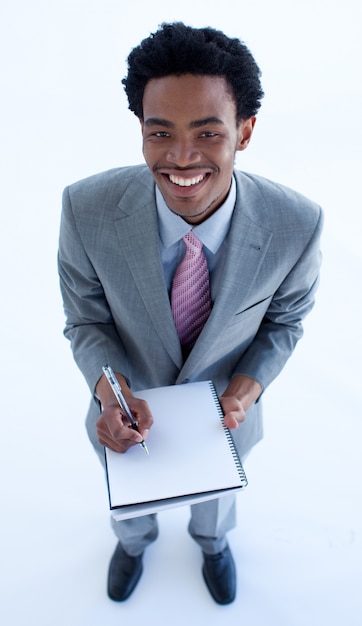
(190, 294)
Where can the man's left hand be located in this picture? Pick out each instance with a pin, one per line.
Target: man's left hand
(240, 394)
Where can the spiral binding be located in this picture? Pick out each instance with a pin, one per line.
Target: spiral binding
(229, 438)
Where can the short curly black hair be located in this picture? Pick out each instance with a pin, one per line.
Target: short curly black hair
(176, 49)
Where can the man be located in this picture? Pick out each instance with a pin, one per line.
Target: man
(126, 232)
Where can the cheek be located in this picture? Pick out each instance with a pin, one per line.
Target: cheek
(227, 161)
(147, 154)
(151, 152)
(224, 154)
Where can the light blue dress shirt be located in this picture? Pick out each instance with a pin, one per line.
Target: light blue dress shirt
(212, 233)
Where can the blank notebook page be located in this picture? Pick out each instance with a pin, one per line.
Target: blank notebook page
(190, 450)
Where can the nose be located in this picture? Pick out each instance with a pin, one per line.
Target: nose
(183, 153)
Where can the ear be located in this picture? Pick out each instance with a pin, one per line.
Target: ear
(246, 128)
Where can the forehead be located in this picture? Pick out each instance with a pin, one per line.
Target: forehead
(188, 96)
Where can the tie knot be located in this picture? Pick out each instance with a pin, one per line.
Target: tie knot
(193, 244)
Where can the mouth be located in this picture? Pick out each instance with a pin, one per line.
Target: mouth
(185, 186)
(186, 182)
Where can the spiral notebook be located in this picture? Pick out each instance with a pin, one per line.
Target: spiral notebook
(192, 456)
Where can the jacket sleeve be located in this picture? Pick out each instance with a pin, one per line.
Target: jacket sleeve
(281, 327)
(89, 323)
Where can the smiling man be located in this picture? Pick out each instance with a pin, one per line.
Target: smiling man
(242, 251)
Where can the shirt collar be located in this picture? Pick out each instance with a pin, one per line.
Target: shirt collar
(212, 232)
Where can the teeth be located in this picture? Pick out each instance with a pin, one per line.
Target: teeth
(185, 182)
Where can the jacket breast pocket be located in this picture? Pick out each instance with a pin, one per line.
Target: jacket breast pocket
(254, 312)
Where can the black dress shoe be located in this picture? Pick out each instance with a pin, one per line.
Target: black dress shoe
(123, 574)
(220, 576)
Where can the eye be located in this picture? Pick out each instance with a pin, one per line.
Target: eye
(161, 133)
(209, 133)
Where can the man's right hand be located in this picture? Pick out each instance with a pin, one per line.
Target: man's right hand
(113, 428)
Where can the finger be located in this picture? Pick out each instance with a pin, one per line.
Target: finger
(115, 435)
(141, 413)
(118, 445)
(230, 421)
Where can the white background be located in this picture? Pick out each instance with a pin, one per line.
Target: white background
(64, 116)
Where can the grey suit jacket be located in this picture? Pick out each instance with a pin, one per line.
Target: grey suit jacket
(116, 302)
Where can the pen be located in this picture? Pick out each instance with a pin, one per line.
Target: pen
(108, 372)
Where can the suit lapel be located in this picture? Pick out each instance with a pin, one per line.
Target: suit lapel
(137, 231)
(248, 243)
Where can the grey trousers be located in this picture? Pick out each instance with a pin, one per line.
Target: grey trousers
(209, 523)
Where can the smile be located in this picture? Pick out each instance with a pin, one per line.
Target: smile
(185, 182)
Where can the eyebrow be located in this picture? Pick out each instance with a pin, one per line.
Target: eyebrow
(158, 121)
